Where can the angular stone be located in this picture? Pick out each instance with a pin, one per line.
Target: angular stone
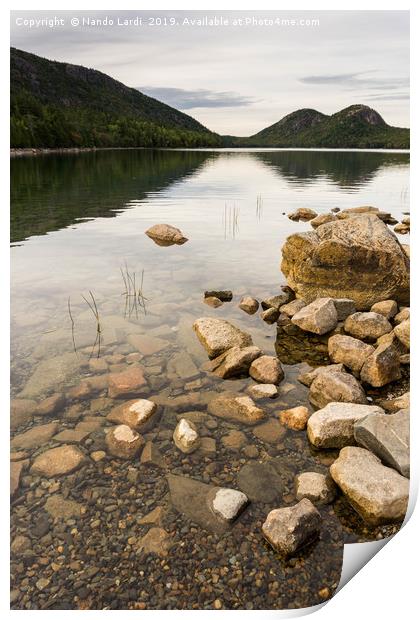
(147, 345)
(60, 508)
(236, 407)
(184, 366)
(388, 308)
(58, 461)
(349, 351)
(138, 414)
(35, 437)
(72, 435)
(222, 295)
(378, 493)
(236, 361)
(260, 482)
(229, 503)
(292, 307)
(234, 440)
(302, 213)
(269, 432)
(165, 235)
(263, 390)
(318, 317)
(395, 404)
(51, 405)
(151, 455)
(307, 378)
(276, 301)
(402, 315)
(21, 412)
(358, 258)
(333, 426)
(213, 302)
(382, 367)
(344, 308)
(207, 446)
(322, 218)
(387, 436)
(123, 442)
(270, 315)
(186, 437)
(16, 469)
(126, 383)
(367, 325)
(218, 335)
(266, 369)
(152, 518)
(318, 488)
(249, 305)
(157, 542)
(295, 418)
(289, 529)
(402, 331)
(335, 387)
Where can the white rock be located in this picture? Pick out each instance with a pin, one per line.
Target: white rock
(186, 437)
(229, 503)
(263, 390)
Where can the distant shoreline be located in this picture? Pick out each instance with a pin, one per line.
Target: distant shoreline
(33, 152)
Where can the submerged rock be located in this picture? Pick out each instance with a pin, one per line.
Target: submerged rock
(266, 369)
(218, 335)
(156, 541)
(318, 317)
(349, 351)
(126, 383)
(367, 325)
(263, 390)
(333, 426)
(236, 361)
(34, 437)
(186, 437)
(58, 461)
(137, 414)
(358, 258)
(236, 407)
(330, 387)
(318, 488)
(387, 436)
(249, 305)
(222, 295)
(123, 442)
(165, 235)
(21, 412)
(289, 529)
(260, 482)
(378, 493)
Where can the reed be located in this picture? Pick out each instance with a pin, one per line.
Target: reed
(98, 340)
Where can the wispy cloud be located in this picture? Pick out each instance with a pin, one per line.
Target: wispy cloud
(360, 80)
(184, 99)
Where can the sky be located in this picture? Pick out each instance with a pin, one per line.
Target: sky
(235, 77)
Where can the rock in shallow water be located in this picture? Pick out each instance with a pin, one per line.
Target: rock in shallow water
(318, 317)
(318, 488)
(236, 407)
(218, 335)
(137, 414)
(186, 437)
(266, 369)
(166, 235)
(295, 418)
(236, 361)
(123, 442)
(263, 390)
(333, 426)
(126, 383)
(330, 387)
(229, 503)
(357, 258)
(387, 436)
(58, 461)
(249, 305)
(378, 493)
(289, 529)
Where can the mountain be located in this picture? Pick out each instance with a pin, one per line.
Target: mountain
(55, 104)
(357, 126)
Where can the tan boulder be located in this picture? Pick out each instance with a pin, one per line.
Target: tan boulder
(236, 407)
(367, 325)
(266, 369)
(58, 461)
(318, 317)
(123, 442)
(349, 351)
(382, 367)
(165, 235)
(402, 331)
(335, 387)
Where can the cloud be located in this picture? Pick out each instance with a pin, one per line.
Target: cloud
(184, 99)
(356, 81)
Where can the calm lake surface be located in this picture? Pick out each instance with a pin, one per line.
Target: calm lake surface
(76, 222)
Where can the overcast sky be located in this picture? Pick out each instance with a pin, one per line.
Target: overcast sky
(239, 79)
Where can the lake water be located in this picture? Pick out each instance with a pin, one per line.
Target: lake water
(78, 220)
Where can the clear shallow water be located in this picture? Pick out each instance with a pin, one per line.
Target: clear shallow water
(76, 221)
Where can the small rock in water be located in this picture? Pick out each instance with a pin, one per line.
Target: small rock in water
(276, 301)
(35, 437)
(218, 335)
(367, 325)
(387, 436)
(378, 493)
(302, 213)
(328, 387)
(221, 295)
(234, 440)
(166, 235)
(318, 488)
(292, 307)
(136, 414)
(21, 411)
(333, 426)
(263, 390)
(97, 455)
(349, 351)
(270, 315)
(229, 503)
(58, 461)
(295, 418)
(266, 369)
(387, 308)
(236, 407)
(236, 361)
(156, 541)
(249, 305)
(123, 442)
(126, 383)
(213, 302)
(289, 529)
(151, 455)
(319, 317)
(186, 437)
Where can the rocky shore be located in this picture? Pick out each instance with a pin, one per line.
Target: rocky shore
(191, 467)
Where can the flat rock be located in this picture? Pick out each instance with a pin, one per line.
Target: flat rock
(21, 412)
(51, 374)
(166, 235)
(402, 331)
(387, 436)
(218, 335)
(295, 418)
(357, 258)
(260, 482)
(235, 361)
(289, 529)
(51, 405)
(388, 308)
(234, 440)
(138, 414)
(266, 369)
(72, 435)
(318, 317)
(322, 218)
(151, 455)
(263, 390)
(330, 387)
(147, 345)
(186, 437)
(318, 488)
(184, 366)
(58, 461)
(236, 407)
(367, 325)
(333, 425)
(378, 493)
(60, 508)
(269, 432)
(156, 541)
(349, 351)
(382, 366)
(35, 437)
(16, 469)
(126, 383)
(249, 304)
(123, 442)
(276, 301)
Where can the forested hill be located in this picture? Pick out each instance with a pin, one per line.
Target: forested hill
(56, 105)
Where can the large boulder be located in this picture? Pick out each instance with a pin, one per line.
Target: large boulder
(319, 317)
(349, 351)
(367, 325)
(333, 426)
(218, 335)
(328, 387)
(357, 258)
(378, 493)
(387, 436)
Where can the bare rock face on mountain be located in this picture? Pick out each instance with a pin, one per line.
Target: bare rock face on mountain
(357, 258)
